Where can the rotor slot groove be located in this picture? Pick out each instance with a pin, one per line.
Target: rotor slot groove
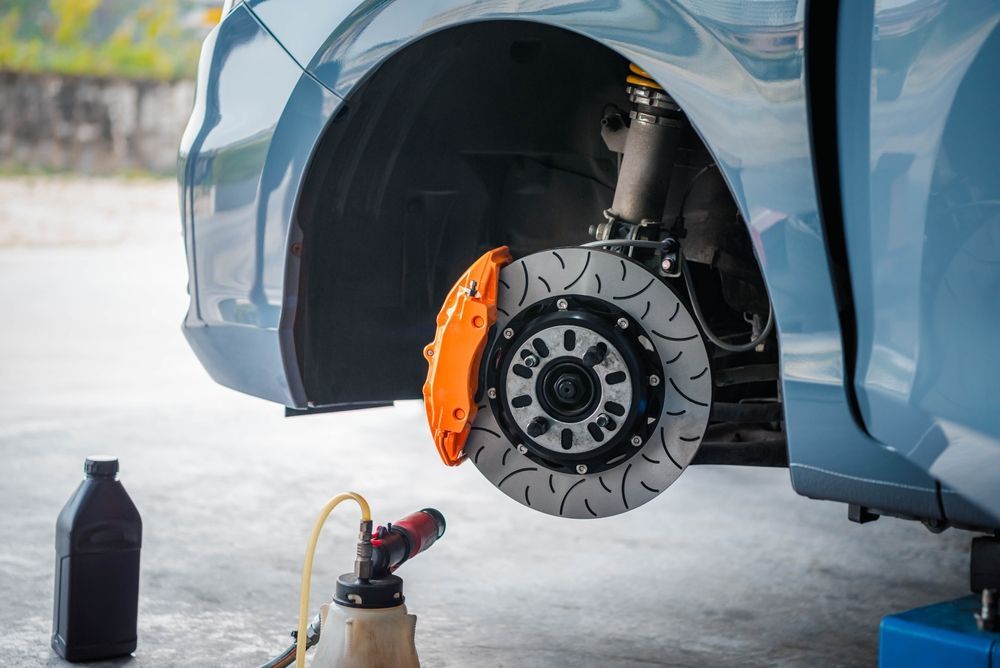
(582, 272)
(514, 473)
(624, 478)
(663, 441)
(524, 294)
(562, 506)
(634, 294)
(693, 401)
(673, 338)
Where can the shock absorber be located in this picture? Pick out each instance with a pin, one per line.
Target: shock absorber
(654, 132)
(648, 152)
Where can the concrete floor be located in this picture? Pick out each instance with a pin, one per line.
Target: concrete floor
(728, 567)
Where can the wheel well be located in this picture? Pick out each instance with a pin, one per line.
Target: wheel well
(474, 137)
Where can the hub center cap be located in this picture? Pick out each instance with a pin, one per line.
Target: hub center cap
(568, 389)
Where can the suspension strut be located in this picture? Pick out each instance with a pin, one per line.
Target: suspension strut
(648, 151)
(654, 132)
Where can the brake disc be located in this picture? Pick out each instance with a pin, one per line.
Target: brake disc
(597, 385)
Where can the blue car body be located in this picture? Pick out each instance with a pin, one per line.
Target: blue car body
(875, 219)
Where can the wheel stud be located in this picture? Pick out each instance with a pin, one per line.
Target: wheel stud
(531, 361)
(595, 354)
(603, 421)
(537, 426)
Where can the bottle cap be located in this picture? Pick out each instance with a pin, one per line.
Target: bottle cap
(101, 466)
(384, 592)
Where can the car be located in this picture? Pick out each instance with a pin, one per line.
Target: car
(604, 240)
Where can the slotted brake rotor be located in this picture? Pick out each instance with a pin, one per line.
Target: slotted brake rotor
(595, 390)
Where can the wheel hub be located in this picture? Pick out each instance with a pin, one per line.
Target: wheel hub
(575, 397)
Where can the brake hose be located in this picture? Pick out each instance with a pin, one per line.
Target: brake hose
(634, 243)
(695, 306)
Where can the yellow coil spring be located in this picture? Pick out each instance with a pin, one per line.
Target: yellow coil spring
(640, 77)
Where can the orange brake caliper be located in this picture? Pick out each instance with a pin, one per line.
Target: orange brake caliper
(453, 358)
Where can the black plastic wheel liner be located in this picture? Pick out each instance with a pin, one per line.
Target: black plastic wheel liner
(472, 138)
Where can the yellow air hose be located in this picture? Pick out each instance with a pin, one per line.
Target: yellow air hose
(307, 566)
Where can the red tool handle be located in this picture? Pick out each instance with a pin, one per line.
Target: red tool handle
(398, 542)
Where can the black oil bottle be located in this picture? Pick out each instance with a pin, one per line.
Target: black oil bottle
(98, 536)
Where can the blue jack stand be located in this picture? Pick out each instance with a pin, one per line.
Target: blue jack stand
(964, 633)
(945, 634)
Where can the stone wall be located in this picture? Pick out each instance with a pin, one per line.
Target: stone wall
(92, 125)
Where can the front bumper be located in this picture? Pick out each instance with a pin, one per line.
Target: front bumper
(257, 117)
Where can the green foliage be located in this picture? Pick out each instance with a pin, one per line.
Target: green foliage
(72, 19)
(143, 39)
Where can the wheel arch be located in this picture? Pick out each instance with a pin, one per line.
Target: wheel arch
(370, 86)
